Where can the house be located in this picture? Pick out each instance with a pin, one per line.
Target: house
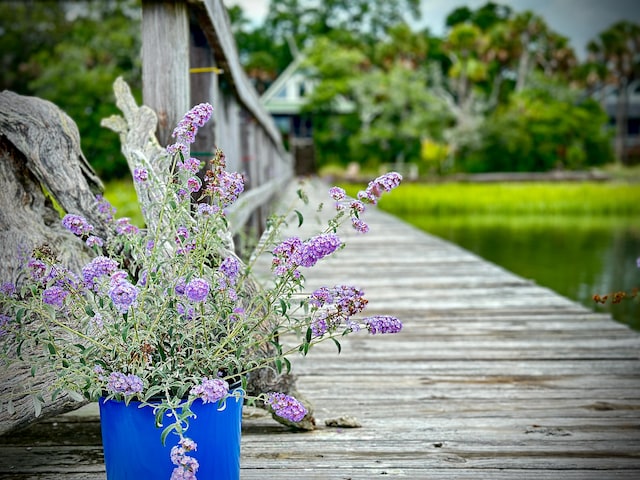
(285, 99)
(608, 98)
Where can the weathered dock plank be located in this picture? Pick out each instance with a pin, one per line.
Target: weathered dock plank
(492, 377)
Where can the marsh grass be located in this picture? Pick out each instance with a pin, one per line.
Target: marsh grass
(533, 199)
(122, 195)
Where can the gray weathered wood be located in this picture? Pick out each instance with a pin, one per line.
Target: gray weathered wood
(39, 152)
(165, 63)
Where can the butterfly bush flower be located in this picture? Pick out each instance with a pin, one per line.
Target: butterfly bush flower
(185, 132)
(210, 390)
(359, 225)
(190, 164)
(230, 269)
(125, 227)
(126, 384)
(377, 187)
(318, 247)
(194, 184)
(285, 406)
(186, 466)
(93, 241)
(337, 193)
(4, 322)
(105, 208)
(140, 175)
(123, 295)
(98, 267)
(204, 209)
(197, 290)
(37, 269)
(285, 257)
(76, 224)
(382, 324)
(54, 295)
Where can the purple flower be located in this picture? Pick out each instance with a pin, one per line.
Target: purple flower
(105, 208)
(320, 326)
(285, 256)
(225, 187)
(194, 184)
(638, 262)
(205, 209)
(285, 406)
(54, 295)
(186, 466)
(321, 297)
(37, 269)
(140, 175)
(123, 295)
(356, 206)
(4, 320)
(93, 241)
(76, 224)
(337, 193)
(188, 313)
(382, 324)
(318, 247)
(98, 267)
(180, 286)
(197, 290)
(359, 225)
(377, 187)
(127, 384)
(190, 164)
(125, 227)
(348, 300)
(8, 289)
(186, 130)
(230, 268)
(210, 390)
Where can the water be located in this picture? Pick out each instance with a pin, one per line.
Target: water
(576, 257)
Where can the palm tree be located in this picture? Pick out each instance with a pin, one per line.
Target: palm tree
(618, 48)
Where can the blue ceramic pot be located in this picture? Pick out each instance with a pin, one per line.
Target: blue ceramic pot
(133, 450)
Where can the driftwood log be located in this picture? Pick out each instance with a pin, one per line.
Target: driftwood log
(43, 170)
(40, 160)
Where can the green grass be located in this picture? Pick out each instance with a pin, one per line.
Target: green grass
(122, 195)
(568, 199)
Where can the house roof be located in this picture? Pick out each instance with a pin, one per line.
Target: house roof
(289, 92)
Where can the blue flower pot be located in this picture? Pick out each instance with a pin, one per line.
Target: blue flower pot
(133, 450)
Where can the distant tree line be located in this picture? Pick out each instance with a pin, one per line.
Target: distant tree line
(500, 91)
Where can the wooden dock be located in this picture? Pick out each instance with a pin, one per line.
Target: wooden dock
(492, 377)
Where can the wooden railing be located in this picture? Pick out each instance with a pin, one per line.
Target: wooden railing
(189, 56)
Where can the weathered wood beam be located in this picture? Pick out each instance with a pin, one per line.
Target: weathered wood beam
(165, 63)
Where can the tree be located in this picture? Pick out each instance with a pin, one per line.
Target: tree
(70, 54)
(618, 50)
(543, 127)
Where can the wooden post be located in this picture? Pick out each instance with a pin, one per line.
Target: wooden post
(165, 62)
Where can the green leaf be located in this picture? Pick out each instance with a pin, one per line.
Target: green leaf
(37, 405)
(337, 344)
(300, 218)
(283, 306)
(52, 348)
(75, 395)
(89, 311)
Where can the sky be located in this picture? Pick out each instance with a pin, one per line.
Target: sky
(580, 20)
